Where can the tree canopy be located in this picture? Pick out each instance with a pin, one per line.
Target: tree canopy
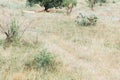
(46, 3)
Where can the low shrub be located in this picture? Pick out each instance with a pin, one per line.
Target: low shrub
(44, 60)
(84, 20)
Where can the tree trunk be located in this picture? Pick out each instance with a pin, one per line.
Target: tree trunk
(91, 4)
(46, 8)
(69, 9)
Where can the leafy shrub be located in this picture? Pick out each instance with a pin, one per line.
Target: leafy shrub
(43, 61)
(84, 20)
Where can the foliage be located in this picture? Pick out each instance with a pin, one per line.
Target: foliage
(84, 20)
(13, 31)
(69, 4)
(44, 61)
(46, 3)
(13, 34)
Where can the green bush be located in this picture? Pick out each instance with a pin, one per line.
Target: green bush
(46, 3)
(84, 20)
(43, 61)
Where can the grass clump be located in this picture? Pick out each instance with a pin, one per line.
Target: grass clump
(84, 20)
(13, 33)
(44, 60)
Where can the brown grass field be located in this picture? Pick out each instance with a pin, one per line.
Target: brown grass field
(84, 53)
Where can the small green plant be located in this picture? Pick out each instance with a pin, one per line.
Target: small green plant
(43, 61)
(84, 20)
(12, 33)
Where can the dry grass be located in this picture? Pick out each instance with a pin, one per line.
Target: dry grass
(87, 53)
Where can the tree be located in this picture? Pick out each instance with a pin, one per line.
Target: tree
(69, 4)
(46, 3)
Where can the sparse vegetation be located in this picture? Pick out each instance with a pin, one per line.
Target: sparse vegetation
(92, 3)
(84, 20)
(69, 4)
(12, 34)
(54, 46)
(44, 60)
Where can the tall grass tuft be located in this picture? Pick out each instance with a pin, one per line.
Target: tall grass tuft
(44, 60)
(12, 34)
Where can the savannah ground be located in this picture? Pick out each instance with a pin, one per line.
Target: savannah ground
(84, 53)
